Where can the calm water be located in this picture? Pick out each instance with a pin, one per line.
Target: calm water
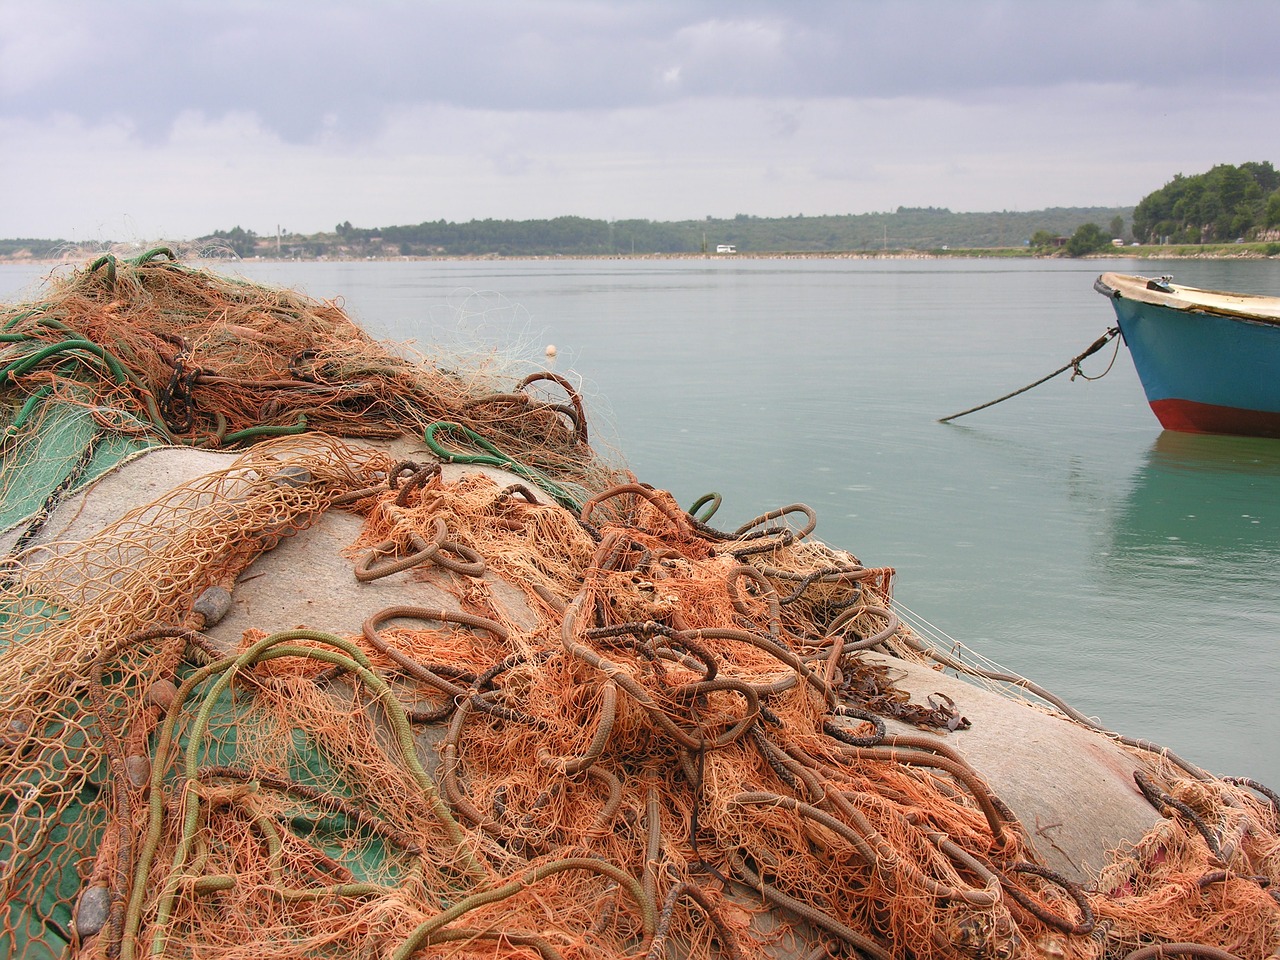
(1134, 572)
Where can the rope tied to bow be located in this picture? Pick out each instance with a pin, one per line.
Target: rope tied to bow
(1073, 365)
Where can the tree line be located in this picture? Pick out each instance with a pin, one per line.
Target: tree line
(907, 228)
(1225, 204)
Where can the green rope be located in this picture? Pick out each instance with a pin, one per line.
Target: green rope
(155, 820)
(53, 324)
(109, 261)
(76, 349)
(32, 360)
(20, 420)
(350, 659)
(714, 499)
(17, 318)
(49, 322)
(267, 430)
(493, 457)
(153, 254)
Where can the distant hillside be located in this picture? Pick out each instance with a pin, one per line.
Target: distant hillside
(1225, 203)
(29, 249)
(907, 228)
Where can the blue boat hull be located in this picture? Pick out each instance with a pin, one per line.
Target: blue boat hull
(1204, 372)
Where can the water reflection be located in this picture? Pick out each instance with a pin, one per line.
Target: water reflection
(1188, 598)
(1202, 499)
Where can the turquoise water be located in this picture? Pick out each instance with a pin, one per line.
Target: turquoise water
(1135, 573)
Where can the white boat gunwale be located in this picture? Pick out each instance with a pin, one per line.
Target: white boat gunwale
(1161, 292)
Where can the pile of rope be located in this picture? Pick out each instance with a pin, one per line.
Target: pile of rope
(673, 745)
(166, 353)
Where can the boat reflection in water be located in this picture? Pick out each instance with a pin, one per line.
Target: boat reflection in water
(1190, 575)
(1203, 500)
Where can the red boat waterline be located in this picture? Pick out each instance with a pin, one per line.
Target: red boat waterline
(1188, 416)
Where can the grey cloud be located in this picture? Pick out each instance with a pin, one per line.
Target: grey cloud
(186, 116)
(316, 66)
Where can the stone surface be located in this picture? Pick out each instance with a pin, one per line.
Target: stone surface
(1071, 787)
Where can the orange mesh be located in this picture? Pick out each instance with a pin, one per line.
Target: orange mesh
(645, 757)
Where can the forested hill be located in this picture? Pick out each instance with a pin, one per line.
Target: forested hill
(907, 228)
(1223, 204)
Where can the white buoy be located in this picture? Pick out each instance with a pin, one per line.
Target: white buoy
(551, 350)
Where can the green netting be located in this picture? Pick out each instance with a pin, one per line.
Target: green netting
(41, 818)
(65, 823)
(58, 446)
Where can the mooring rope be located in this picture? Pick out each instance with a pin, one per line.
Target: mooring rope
(1073, 364)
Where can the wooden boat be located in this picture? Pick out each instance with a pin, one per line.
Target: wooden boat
(1209, 361)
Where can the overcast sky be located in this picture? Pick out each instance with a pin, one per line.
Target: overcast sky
(133, 120)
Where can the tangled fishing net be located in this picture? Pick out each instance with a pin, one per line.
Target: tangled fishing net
(626, 734)
(127, 354)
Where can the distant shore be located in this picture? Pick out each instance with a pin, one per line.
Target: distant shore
(1129, 254)
(1250, 251)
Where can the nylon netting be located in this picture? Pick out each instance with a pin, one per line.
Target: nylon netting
(670, 746)
(150, 351)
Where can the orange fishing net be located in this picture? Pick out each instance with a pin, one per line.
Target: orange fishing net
(628, 734)
(192, 357)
